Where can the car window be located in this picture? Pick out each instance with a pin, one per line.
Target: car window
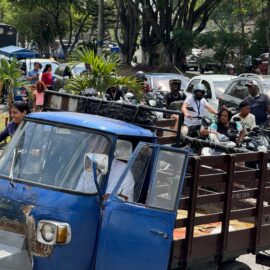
(220, 87)
(208, 88)
(60, 70)
(78, 69)
(191, 85)
(238, 89)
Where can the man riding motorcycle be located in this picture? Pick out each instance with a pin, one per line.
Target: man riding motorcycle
(193, 110)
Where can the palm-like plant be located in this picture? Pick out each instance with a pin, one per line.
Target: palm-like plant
(103, 73)
(10, 75)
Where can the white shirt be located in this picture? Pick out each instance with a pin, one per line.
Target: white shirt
(198, 110)
(86, 182)
(249, 122)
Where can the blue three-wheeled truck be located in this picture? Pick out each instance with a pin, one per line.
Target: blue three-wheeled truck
(81, 191)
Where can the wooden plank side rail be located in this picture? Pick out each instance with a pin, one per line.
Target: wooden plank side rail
(192, 209)
(259, 207)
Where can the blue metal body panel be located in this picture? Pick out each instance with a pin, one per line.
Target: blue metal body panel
(134, 236)
(82, 212)
(94, 122)
(127, 240)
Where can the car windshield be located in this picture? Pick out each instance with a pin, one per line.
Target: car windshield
(50, 155)
(220, 87)
(78, 69)
(162, 83)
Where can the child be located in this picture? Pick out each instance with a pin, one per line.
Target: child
(38, 96)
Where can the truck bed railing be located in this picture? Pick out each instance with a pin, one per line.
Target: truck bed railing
(226, 209)
(140, 115)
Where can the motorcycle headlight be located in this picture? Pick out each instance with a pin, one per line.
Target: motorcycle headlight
(53, 232)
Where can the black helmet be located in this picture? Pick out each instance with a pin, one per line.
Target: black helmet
(140, 76)
(199, 88)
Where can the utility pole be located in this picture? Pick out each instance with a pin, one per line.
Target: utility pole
(100, 27)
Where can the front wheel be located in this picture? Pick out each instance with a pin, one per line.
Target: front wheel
(234, 265)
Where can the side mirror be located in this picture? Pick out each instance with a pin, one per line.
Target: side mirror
(236, 119)
(101, 161)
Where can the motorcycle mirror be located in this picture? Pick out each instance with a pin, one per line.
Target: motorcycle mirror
(236, 119)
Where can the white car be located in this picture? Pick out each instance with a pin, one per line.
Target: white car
(215, 85)
(28, 64)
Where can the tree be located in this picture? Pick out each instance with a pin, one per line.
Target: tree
(103, 73)
(10, 75)
(169, 19)
(70, 17)
(127, 27)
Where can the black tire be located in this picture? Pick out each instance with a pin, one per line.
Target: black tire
(234, 265)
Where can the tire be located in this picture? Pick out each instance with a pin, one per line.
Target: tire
(234, 265)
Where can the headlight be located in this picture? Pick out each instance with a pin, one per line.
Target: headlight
(53, 232)
(48, 232)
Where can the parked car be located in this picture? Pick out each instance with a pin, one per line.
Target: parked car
(28, 64)
(192, 62)
(65, 71)
(237, 91)
(207, 64)
(215, 85)
(160, 81)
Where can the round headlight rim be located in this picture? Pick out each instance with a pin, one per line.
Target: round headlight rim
(52, 226)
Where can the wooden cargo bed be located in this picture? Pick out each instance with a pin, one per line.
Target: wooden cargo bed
(224, 210)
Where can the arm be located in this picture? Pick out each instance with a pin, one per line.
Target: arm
(4, 134)
(210, 108)
(34, 102)
(185, 110)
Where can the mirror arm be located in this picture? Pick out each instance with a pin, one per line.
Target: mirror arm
(94, 167)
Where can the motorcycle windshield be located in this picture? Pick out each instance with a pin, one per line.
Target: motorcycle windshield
(51, 155)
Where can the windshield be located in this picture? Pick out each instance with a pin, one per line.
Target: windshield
(162, 83)
(78, 69)
(50, 155)
(220, 87)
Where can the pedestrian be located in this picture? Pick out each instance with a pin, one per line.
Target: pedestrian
(33, 75)
(18, 110)
(38, 96)
(47, 76)
(259, 102)
(114, 93)
(247, 119)
(175, 93)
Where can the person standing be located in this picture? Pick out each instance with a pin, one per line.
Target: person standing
(259, 102)
(47, 76)
(38, 96)
(33, 75)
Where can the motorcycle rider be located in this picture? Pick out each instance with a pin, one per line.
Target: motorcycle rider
(223, 125)
(175, 93)
(193, 108)
(141, 78)
(230, 69)
(247, 119)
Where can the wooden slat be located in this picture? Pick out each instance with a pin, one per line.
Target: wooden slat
(250, 156)
(166, 140)
(192, 209)
(261, 187)
(166, 123)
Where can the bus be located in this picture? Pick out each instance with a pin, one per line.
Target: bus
(8, 35)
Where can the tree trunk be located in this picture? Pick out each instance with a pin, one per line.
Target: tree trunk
(268, 32)
(100, 27)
